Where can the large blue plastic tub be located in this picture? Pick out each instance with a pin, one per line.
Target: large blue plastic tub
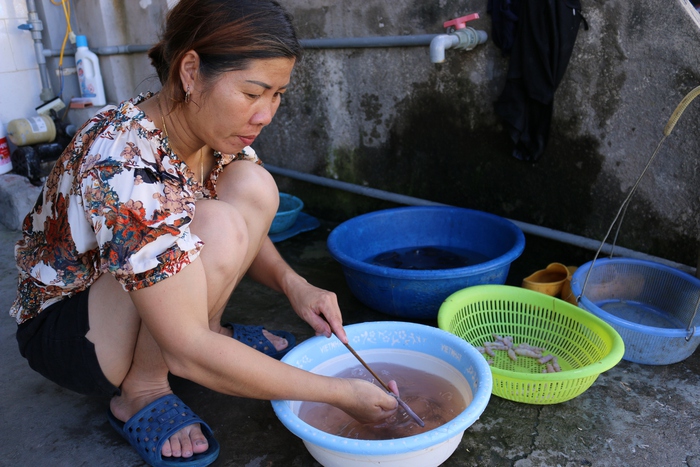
(652, 306)
(419, 293)
(418, 346)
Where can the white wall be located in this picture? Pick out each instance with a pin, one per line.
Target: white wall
(20, 83)
(124, 75)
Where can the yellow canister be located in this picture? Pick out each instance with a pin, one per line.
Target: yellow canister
(32, 130)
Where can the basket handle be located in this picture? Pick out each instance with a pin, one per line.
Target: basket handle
(691, 332)
(675, 116)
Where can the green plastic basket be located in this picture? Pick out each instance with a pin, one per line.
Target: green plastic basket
(584, 344)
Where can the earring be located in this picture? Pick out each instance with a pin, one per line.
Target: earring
(187, 95)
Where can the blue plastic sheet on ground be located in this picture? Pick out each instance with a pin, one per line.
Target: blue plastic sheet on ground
(304, 223)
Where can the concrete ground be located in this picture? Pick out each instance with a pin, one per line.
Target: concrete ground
(633, 415)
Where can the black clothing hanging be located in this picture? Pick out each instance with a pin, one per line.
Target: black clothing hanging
(545, 35)
(504, 20)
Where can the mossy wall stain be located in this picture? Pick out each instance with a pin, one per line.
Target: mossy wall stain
(344, 164)
(372, 109)
(434, 153)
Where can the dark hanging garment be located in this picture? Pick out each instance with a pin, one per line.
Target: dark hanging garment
(504, 20)
(545, 36)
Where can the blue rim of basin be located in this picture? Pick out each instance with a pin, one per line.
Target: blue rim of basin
(507, 258)
(437, 342)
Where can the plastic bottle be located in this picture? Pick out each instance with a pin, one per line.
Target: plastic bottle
(32, 130)
(5, 161)
(89, 75)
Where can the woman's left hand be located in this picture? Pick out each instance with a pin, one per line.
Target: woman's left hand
(319, 308)
(316, 306)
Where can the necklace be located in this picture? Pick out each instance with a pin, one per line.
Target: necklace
(165, 130)
(201, 167)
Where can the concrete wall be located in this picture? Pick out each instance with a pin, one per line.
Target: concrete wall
(390, 119)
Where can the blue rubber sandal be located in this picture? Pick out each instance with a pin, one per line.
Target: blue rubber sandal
(253, 337)
(154, 424)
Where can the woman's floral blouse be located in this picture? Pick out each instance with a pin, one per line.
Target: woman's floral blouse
(117, 201)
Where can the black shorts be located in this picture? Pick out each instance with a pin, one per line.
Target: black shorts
(55, 346)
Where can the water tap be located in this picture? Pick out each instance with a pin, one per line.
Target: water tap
(459, 36)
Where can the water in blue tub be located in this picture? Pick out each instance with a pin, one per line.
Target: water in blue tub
(433, 398)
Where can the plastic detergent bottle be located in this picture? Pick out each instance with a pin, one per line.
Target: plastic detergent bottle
(5, 161)
(89, 75)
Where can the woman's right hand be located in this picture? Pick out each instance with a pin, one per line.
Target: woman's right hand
(366, 402)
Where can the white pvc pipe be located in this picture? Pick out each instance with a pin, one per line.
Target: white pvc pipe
(35, 27)
(438, 46)
(106, 50)
(539, 231)
(416, 40)
(365, 42)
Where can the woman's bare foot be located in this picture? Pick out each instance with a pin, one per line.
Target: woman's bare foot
(185, 443)
(280, 343)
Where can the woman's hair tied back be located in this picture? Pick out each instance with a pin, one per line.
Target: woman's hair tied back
(226, 34)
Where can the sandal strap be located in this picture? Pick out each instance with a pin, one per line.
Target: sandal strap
(253, 337)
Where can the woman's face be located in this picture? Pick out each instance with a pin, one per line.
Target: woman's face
(240, 103)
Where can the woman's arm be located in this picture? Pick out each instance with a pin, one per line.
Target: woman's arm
(316, 306)
(174, 313)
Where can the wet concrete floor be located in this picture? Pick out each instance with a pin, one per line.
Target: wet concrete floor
(633, 415)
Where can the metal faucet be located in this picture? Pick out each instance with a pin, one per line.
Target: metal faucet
(458, 36)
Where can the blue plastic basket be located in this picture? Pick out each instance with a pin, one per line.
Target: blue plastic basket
(287, 213)
(419, 293)
(649, 304)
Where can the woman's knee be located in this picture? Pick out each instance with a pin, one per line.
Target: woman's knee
(249, 187)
